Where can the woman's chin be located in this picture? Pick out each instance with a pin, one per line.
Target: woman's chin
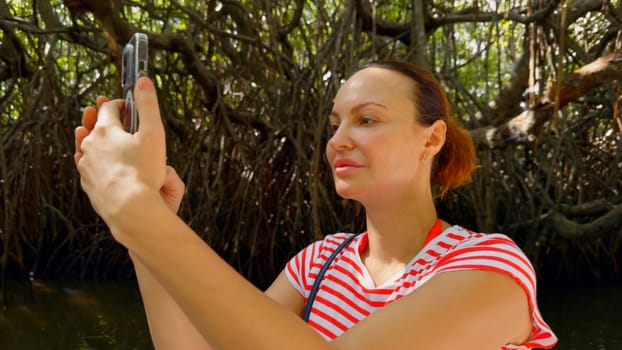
(347, 192)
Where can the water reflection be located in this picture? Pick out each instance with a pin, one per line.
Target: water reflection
(109, 315)
(74, 316)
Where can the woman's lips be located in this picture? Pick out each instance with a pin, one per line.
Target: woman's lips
(344, 166)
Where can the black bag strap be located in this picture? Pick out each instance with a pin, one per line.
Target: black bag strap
(320, 275)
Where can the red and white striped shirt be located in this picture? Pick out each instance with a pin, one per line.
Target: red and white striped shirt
(347, 293)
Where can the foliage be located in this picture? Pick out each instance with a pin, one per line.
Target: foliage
(245, 88)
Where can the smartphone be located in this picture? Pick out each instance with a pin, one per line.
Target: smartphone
(134, 66)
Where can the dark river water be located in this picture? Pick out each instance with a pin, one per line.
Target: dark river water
(110, 316)
(584, 318)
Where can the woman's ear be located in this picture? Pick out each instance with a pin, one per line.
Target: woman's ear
(436, 137)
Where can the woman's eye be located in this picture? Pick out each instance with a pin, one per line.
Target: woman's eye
(367, 121)
(334, 127)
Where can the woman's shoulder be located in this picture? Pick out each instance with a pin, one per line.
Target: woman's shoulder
(458, 236)
(461, 248)
(303, 268)
(321, 249)
(332, 240)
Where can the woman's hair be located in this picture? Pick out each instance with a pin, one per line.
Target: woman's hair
(455, 162)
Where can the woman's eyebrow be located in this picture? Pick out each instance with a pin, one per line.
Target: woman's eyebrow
(359, 106)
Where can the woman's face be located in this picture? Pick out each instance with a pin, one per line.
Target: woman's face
(376, 150)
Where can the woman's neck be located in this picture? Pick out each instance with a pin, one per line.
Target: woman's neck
(397, 232)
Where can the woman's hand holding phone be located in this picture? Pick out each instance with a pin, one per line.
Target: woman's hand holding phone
(115, 165)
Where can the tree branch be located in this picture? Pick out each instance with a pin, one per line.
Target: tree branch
(509, 98)
(12, 51)
(594, 207)
(604, 224)
(472, 14)
(119, 31)
(520, 129)
(398, 31)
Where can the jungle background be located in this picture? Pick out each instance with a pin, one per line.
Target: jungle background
(245, 89)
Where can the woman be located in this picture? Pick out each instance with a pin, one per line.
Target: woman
(411, 281)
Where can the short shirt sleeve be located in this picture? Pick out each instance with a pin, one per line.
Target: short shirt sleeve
(497, 252)
(302, 269)
(297, 269)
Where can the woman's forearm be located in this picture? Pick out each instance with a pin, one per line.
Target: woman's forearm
(225, 308)
(168, 324)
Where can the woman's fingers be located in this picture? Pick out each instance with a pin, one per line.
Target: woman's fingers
(101, 100)
(147, 106)
(80, 133)
(109, 113)
(89, 117)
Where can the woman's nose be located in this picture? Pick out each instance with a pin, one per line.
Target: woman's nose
(341, 138)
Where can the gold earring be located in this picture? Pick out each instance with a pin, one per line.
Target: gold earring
(423, 158)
